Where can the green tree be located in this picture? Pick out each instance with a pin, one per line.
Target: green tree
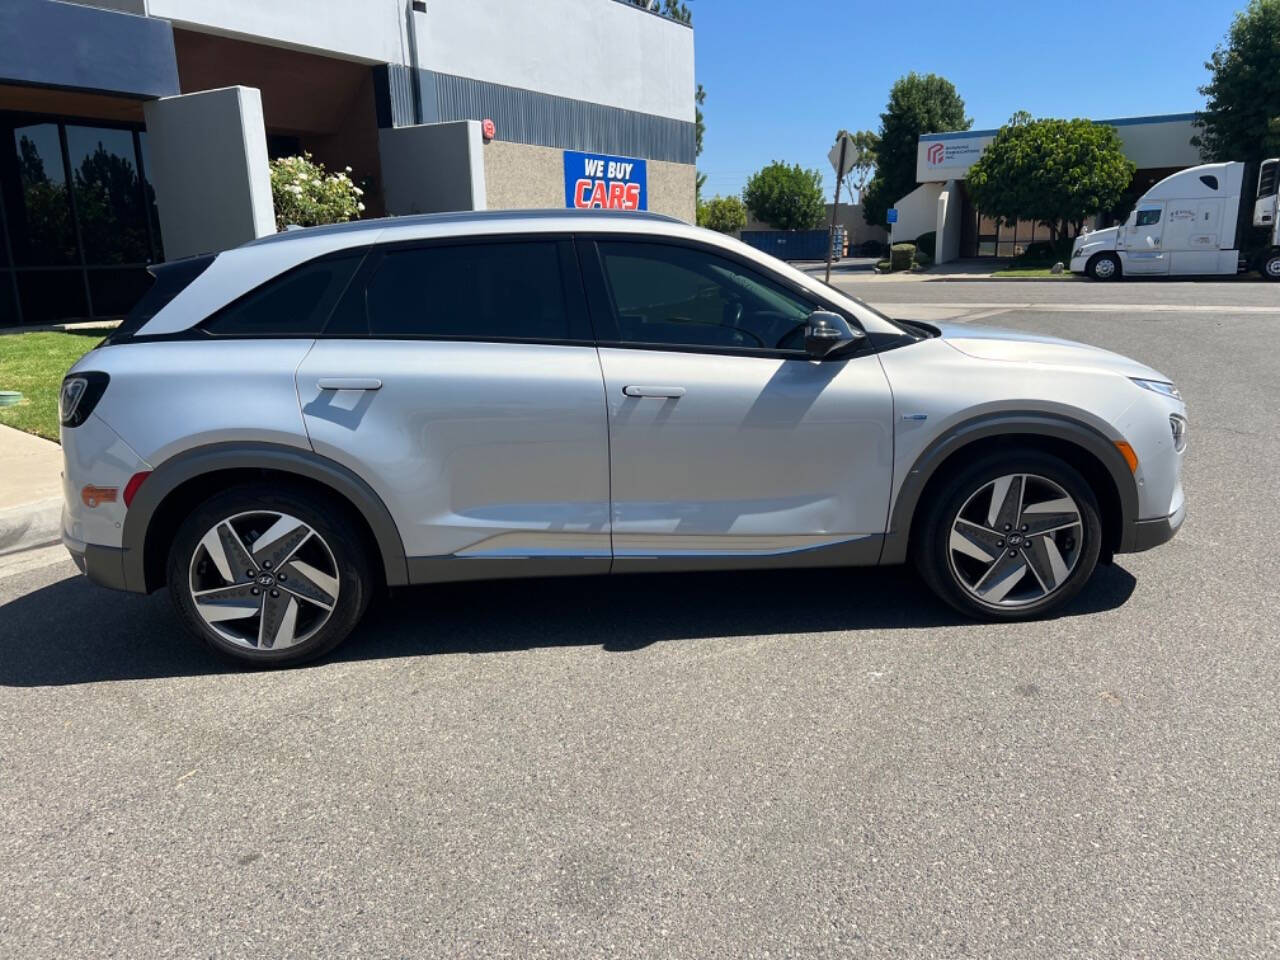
(722, 214)
(918, 103)
(1055, 172)
(1243, 92)
(786, 198)
(699, 98)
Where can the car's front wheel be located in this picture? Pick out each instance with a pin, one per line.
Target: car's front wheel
(1271, 265)
(1013, 536)
(1104, 266)
(268, 576)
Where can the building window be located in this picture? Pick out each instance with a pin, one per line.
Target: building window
(78, 219)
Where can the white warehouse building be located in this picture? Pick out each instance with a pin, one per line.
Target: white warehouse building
(1157, 146)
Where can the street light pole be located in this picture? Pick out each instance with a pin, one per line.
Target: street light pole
(835, 207)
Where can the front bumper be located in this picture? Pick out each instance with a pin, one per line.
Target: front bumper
(1145, 534)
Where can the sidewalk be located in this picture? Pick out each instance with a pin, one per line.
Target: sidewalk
(30, 491)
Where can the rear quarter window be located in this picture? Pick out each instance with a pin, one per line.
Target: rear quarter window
(295, 304)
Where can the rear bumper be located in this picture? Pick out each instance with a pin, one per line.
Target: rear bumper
(103, 565)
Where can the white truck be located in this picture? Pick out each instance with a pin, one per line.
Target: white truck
(1194, 223)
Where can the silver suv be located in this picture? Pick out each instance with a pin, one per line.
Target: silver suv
(280, 431)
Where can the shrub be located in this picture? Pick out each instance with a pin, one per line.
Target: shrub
(305, 196)
(901, 255)
(923, 259)
(1045, 253)
(722, 214)
(882, 266)
(928, 243)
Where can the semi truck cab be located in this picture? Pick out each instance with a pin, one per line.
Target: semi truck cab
(1192, 223)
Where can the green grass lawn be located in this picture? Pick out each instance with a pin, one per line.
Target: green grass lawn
(35, 363)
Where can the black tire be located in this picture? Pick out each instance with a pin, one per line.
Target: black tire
(1116, 271)
(1271, 265)
(326, 518)
(931, 538)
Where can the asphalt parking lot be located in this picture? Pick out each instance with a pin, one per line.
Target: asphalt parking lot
(783, 765)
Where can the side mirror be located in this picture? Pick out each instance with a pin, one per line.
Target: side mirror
(825, 333)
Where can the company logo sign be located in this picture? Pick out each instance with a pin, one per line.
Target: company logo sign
(954, 153)
(597, 180)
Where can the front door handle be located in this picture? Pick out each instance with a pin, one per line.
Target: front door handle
(662, 393)
(349, 383)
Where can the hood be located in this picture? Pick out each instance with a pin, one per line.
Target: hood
(1098, 240)
(1011, 346)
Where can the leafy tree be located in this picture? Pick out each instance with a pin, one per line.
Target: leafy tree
(699, 98)
(1055, 172)
(865, 142)
(722, 214)
(1244, 89)
(918, 103)
(786, 198)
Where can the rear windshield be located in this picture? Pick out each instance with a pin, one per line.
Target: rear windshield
(170, 280)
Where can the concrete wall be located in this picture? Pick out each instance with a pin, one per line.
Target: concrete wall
(208, 155)
(521, 176)
(949, 222)
(432, 167)
(594, 50)
(372, 31)
(1160, 143)
(917, 213)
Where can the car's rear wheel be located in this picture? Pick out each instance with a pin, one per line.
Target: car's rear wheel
(1104, 266)
(268, 577)
(1012, 537)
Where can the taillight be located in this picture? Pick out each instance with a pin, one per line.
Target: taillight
(131, 488)
(79, 395)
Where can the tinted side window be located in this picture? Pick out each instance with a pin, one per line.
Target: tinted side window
(689, 297)
(296, 303)
(1147, 218)
(505, 291)
(1210, 181)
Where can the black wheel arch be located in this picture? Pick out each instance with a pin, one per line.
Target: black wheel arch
(1080, 445)
(190, 477)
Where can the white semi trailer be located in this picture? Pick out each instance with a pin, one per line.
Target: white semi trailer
(1193, 223)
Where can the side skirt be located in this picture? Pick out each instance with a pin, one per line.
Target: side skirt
(862, 552)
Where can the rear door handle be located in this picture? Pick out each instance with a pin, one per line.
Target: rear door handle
(349, 383)
(662, 393)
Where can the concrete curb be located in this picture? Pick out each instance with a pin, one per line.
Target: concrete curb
(30, 525)
(1058, 279)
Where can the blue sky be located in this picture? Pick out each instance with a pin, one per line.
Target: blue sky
(783, 75)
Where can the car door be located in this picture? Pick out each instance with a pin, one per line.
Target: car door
(460, 379)
(1191, 236)
(729, 446)
(1142, 241)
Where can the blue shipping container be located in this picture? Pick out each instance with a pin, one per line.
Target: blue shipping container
(789, 244)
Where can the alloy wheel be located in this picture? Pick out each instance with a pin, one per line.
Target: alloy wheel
(1015, 541)
(264, 580)
(1105, 268)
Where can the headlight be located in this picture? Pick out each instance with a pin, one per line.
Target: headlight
(1162, 387)
(80, 393)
